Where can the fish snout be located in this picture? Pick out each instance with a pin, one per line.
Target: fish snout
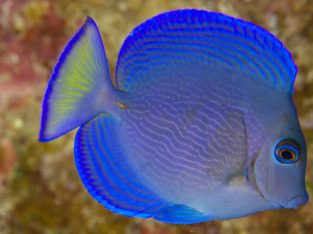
(297, 201)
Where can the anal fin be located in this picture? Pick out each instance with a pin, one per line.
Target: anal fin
(105, 170)
(181, 214)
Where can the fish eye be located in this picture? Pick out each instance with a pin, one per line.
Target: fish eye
(287, 151)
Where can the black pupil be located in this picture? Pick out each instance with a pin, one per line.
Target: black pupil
(286, 154)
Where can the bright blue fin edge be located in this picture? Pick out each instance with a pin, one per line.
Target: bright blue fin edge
(176, 39)
(106, 173)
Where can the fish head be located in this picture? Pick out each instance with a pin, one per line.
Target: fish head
(279, 166)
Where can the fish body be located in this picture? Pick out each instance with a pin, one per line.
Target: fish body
(197, 125)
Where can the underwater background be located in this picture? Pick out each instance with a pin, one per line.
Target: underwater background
(40, 191)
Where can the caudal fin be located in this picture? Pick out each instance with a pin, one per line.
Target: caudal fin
(78, 84)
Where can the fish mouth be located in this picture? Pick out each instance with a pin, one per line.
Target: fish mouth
(297, 201)
(292, 203)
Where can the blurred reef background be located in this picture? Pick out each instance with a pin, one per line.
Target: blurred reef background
(40, 191)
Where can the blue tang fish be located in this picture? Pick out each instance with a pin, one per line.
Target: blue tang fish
(198, 123)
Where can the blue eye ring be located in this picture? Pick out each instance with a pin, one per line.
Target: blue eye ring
(287, 151)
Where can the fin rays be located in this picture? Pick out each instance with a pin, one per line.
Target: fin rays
(97, 159)
(195, 37)
(80, 77)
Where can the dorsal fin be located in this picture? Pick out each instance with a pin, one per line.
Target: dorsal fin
(201, 39)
